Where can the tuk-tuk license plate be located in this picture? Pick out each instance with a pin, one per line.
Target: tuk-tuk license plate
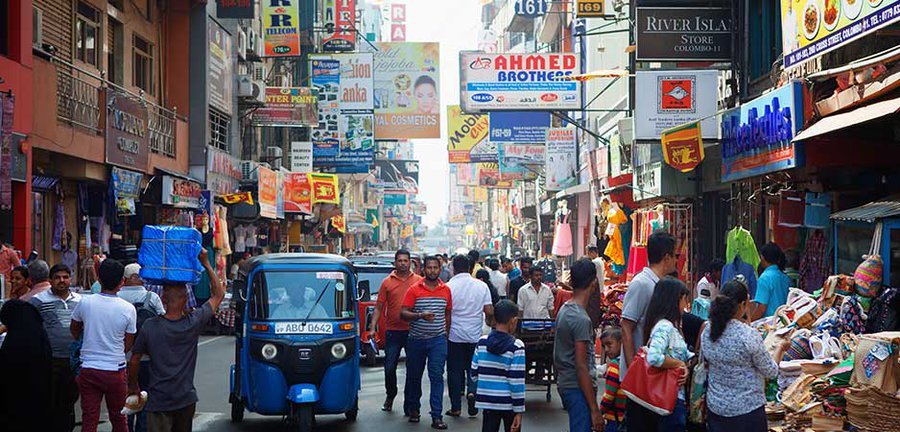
(304, 328)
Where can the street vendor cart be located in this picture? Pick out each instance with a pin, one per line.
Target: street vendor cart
(856, 231)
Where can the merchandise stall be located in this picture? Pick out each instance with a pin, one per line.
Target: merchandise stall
(870, 228)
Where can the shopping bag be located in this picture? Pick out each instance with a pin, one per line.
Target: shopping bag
(697, 413)
(653, 388)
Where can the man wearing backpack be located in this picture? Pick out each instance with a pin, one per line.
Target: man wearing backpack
(147, 305)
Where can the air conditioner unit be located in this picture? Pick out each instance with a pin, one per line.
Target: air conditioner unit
(273, 153)
(249, 170)
(259, 91)
(254, 43)
(259, 72)
(241, 44)
(37, 21)
(244, 86)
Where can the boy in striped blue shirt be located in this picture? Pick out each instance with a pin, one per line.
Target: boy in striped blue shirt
(498, 367)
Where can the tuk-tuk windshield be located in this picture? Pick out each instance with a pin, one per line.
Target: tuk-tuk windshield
(298, 295)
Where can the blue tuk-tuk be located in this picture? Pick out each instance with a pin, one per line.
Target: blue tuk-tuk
(296, 331)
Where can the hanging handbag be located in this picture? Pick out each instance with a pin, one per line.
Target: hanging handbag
(651, 387)
(697, 407)
(868, 275)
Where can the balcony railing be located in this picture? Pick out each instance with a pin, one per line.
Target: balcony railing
(78, 102)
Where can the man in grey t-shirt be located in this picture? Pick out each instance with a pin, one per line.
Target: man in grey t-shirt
(171, 341)
(573, 352)
(662, 261)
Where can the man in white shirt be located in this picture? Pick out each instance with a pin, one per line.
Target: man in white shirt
(593, 252)
(498, 279)
(471, 305)
(536, 299)
(134, 292)
(108, 324)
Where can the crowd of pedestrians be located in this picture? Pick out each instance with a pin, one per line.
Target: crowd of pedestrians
(60, 346)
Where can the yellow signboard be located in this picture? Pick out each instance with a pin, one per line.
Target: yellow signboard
(464, 132)
(589, 9)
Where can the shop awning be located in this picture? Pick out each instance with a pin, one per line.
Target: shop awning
(574, 190)
(850, 118)
(871, 212)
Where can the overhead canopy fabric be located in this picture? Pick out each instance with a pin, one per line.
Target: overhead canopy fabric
(850, 118)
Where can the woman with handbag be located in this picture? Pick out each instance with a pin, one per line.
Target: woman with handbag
(667, 349)
(737, 364)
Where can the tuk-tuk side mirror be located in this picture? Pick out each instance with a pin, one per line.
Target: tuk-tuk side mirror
(239, 286)
(363, 293)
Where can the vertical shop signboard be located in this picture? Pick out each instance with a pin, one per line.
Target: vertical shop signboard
(298, 198)
(407, 90)
(325, 77)
(561, 166)
(126, 190)
(127, 141)
(267, 184)
(279, 194)
(220, 71)
(281, 28)
(341, 14)
(301, 156)
(398, 22)
(757, 138)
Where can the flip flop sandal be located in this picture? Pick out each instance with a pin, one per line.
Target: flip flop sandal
(439, 425)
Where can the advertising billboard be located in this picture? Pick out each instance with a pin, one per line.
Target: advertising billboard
(466, 135)
(407, 90)
(297, 194)
(683, 34)
(398, 176)
(268, 182)
(667, 99)
(812, 28)
(519, 126)
(561, 165)
(518, 82)
(515, 158)
(281, 28)
(288, 107)
(342, 15)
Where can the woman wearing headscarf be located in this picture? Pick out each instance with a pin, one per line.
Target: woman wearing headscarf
(24, 370)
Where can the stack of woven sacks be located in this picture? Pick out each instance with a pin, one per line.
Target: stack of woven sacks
(872, 401)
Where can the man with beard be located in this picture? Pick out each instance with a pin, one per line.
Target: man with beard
(515, 283)
(427, 308)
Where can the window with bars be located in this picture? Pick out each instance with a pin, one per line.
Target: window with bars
(218, 129)
(87, 34)
(142, 64)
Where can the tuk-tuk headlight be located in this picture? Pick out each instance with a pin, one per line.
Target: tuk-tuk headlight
(269, 351)
(339, 351)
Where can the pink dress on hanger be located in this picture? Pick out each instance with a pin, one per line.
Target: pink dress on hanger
(562, 238)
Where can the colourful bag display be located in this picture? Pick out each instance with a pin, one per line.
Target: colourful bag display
(653, 388)
(868, 276)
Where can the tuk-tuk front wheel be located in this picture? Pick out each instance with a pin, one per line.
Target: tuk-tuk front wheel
(353, 413)
(303, 417)
(237, 411)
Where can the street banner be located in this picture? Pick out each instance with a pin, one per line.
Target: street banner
(301, 156)
(515, 158)
(324, 188)
(561, 166)
(683, 147)
(339, 223)
(466, 135)
(372, 218)
(288, 107)
(235, 9)
(812, 28)
(407, 90)
(7, 109)
(688, 33)
(267, 183)
(398, 176)
(518, 82)
(297, 195)
(519, 126)
(221, 70)
(489, 177)
(342, 15)
(667, 99)
(279, 194)
(126, 190)
(281, 28)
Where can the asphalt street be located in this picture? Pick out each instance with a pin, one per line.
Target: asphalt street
(213, 411)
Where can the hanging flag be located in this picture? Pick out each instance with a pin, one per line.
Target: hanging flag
(374, 221)
(324, 188)
(235, 198)
(683, 147)
(407, 231)
(339, 224)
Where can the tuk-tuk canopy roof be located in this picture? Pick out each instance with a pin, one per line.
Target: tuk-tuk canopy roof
(293, 258)
(871, 212)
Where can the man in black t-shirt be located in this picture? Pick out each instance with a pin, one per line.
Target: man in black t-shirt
(519, 282)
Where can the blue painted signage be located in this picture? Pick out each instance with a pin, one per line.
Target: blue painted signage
(524, 127)
(756, 138)
(531, 8)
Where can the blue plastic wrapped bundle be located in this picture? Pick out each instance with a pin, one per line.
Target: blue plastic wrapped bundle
(169, 255)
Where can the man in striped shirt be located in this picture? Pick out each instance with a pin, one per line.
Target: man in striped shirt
(499, 370)
(427, 307)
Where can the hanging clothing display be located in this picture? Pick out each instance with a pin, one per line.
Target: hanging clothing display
(615, 250)
(739, 242)
(736, 267)
(818, 209)
(225, 245)
(562, 238)
(814, 268)
(791, 209)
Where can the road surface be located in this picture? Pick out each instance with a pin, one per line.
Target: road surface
(213, 411)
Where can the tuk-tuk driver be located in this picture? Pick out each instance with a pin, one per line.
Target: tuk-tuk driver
(300, 305)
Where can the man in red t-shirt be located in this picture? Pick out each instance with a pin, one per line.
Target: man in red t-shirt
(390, 297)
(427, 309)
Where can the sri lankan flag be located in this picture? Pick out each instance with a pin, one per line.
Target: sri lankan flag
(683, 147)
